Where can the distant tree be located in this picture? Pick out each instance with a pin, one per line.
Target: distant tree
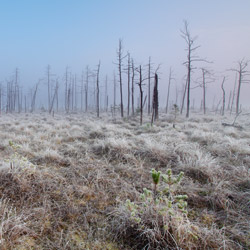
(128, 71)
(223, 96)
(33, 101)
(98, 90)
(132, 87)
(149, 87)
(242, 74)
(170, 78)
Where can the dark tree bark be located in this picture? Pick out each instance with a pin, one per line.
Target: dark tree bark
(155, 114)
(132, 88)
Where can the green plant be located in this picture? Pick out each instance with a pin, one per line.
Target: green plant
(159, 216)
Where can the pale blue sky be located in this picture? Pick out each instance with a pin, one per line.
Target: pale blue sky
(35, 33)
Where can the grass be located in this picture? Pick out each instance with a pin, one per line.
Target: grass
(63, 179)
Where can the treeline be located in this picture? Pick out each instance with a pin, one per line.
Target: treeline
(71, 93)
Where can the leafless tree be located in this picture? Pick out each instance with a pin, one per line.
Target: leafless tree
(98, 90)
(223, 96)
(155, 113)
(120, 58)
(106, 98)
(88, 74)
(66, 90)
(242, 78)
(170, 78)
(33, 101)
(132, 87)
(191, 58)
(233, 97)
(114, 96)
(128, 71)
(54, 97)
(149, 87)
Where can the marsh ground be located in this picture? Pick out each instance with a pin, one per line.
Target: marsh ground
(62, 177)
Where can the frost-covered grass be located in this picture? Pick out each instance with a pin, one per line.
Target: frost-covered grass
(62, 177)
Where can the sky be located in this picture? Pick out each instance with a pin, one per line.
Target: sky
(76, 33)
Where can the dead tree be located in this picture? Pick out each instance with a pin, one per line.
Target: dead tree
(120, 58)
(223, 96)
(54, 97)
(183, 96)
(191, 58)
(140, 85)
(48, 85)
(98, 90)
(33, 101)
(149, 87)
(66, 104)
(128, 71)
(242, 74)
(106, 94)
(87, 87)
(114, 101)
(233, 97)
(206, 78)
(141, 93)
(132, 87)
(169, 83)
(155, 113)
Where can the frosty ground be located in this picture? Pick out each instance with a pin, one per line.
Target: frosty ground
(63, 179)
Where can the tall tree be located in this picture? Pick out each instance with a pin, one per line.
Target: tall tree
(120, 58)
(155, 114)
(242, 74)
(98, 90)
(191, 58)
(128, 71)
(223, 96)
(149, 87)
(132, 87)
(170, 78)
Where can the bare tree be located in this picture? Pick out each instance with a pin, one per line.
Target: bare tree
(87, 87)
(191, 58)
(114, 102)
(120, 58)
(33, 102)
(132, 88)
(54, 97)
(206, 78)
(48, 84)
(170, 78)
(149, 87)
(66, 90)
(155, 113)
(233, 97)
(223, 96)
(106, 94)
(242, 74)
(128, 71)
(98, 90)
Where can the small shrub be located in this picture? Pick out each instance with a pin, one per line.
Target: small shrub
(159, 219)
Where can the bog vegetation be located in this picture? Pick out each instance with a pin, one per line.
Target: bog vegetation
(77, 182)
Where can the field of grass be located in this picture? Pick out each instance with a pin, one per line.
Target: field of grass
(65, 180)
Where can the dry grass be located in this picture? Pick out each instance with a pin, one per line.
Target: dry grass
(61, 178)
